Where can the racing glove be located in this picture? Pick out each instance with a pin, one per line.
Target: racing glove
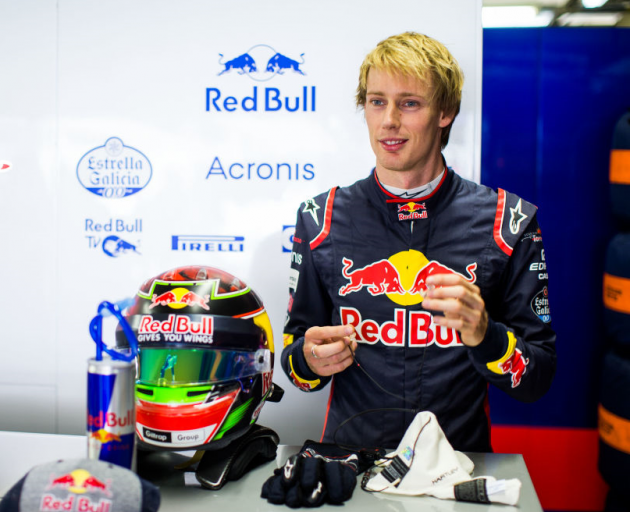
(319, 473)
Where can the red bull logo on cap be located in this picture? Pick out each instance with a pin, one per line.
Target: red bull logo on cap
(402, 277)
(412, 211)
(80, 481)
(77, 482)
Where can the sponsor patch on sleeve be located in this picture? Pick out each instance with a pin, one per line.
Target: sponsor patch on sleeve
(512, 363)
(540, 305)
(294, 276)
(511, 218)
(303, 384)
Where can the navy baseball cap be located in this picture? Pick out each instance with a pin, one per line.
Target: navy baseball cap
(81, 484)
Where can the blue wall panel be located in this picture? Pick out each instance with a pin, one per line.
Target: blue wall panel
(551, 98)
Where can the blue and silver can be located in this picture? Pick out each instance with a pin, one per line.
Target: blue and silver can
(111, 411)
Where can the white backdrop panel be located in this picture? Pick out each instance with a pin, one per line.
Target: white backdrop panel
(143, 95)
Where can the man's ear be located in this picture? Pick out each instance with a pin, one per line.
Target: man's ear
(446, 119)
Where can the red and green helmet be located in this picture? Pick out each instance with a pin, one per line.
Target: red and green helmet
(205, 358)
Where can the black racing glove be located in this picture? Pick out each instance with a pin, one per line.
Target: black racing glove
(317, 474)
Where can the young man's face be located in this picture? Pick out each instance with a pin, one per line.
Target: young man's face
(404, 127)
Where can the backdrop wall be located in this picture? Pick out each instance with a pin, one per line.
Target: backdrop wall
(146, 135)
(551, 99)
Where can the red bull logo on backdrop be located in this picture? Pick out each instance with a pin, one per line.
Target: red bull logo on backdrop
(402, 277)
(261, 63)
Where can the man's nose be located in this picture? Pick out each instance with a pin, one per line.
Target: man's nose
(391, 118)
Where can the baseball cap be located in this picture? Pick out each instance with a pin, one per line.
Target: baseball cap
(81, 484)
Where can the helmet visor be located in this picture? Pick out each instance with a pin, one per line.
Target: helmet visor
(185, 366)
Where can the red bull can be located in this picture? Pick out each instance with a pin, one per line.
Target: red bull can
(111, 411)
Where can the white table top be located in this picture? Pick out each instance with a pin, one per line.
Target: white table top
(21, 451)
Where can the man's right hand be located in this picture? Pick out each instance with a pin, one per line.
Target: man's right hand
(328, 350)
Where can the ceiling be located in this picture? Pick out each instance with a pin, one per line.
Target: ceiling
(556, 13)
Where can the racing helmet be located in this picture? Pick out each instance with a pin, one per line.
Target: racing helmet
(205, 358)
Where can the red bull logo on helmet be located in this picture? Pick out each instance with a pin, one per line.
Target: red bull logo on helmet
(179, 298)
(176, 328)
(402, 277)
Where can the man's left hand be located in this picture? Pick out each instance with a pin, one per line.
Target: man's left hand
(464, 309)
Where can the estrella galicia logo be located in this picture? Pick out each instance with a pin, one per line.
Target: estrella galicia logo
(288, 232)
(261, 63)
(114, 170)
(540, 305)
(207, 243)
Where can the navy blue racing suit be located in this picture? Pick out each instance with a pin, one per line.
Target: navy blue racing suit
(361, 256)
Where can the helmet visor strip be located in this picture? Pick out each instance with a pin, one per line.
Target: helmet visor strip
(185, 366)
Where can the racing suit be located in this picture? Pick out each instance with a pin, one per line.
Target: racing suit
(361, 256)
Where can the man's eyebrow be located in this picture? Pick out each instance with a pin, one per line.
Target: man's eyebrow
(402, 94)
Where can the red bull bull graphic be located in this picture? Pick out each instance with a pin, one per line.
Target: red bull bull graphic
(261, 63)
(402, 277)
(80, 481)
(243, 64)
(180, 298)
(412, 211)
(434, 268)
(516, 366)
(378, 277)
(176, 328)
(416, 328)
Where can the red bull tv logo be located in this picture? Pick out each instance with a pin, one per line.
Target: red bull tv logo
(402, 277)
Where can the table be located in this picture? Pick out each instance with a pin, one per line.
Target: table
(21, 451)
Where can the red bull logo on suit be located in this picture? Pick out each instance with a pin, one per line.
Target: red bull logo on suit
(402, 277)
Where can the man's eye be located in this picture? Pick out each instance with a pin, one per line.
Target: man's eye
(411, 103)
(376, 102)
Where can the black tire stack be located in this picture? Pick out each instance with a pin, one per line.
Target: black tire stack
(614, 406)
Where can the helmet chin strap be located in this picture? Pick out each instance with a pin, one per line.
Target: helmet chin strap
(96, 331)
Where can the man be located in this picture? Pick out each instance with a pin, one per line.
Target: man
(413, 289)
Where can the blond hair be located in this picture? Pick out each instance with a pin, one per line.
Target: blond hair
(419, 56)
